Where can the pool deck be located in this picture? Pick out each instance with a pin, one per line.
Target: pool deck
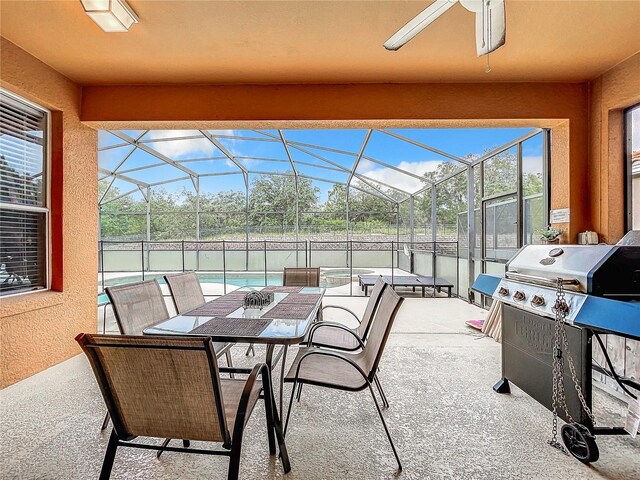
(446, 420)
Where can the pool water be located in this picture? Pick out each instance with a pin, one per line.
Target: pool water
(239, 280)
(328, 279)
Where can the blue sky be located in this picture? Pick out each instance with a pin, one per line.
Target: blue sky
(265, 154)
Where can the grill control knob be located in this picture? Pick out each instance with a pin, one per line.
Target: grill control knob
(538, 301)
(503, 292)
(561, 306)
(519, 296)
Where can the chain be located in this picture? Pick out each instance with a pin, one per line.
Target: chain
(560, 346)
(558, 397)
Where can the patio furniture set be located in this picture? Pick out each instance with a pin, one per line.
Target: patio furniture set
(161, 377)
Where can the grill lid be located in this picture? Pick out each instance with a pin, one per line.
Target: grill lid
(543, 264)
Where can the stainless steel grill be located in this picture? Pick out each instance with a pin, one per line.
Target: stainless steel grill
(600, 294)
(606, 271)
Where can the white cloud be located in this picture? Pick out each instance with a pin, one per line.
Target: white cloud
(398, 179)
(181, 149)
(531, 164)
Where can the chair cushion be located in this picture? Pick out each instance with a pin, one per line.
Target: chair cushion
(327, 371)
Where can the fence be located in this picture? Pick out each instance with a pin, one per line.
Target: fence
(259, 263)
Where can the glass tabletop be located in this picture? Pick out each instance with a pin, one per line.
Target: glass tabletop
(284, 321)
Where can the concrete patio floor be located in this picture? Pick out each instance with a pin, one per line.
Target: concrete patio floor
(445, 419)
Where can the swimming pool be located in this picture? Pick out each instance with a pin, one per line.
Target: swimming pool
(328, 279)
(237, 279)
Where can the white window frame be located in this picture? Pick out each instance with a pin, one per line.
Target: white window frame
(46, 209)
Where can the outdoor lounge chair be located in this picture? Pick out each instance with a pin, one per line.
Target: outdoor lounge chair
(348, 371)
(187, 295)
(171, 387)
(139, 305)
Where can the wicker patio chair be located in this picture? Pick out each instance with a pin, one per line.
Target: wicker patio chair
(171, 387)
(348, 371)
(187, 295)
(301, 277)
(139, 305)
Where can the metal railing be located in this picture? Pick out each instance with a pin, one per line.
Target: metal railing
(265, 260)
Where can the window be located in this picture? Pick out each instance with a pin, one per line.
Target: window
(24, 212)
(632, 125)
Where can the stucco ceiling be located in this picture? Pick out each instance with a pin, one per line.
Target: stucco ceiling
(321, 42)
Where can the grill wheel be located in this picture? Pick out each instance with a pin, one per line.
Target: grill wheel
(580, 442)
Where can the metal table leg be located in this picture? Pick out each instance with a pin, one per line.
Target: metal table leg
(282, 367)
(269, 361)
(104, 319)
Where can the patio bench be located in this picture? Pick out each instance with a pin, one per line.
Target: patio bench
(438, 284)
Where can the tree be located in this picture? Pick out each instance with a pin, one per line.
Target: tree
(221, 213)
(336, 199)
(500, 173)
(532, 184)
(273, 199)
(172, 216)
(451, 198)
(121, 218)
(366, 211)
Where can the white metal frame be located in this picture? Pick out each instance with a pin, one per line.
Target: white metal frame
(357, 181)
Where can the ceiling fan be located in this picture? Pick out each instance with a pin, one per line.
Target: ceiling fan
(490, 23)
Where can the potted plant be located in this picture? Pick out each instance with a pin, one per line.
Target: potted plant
(551, 235)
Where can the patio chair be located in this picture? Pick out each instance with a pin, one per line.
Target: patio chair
(187, 295)
(340, 337)
(139, 305)
(348, 371)
(185, 290)
(301, 277)
(171, 387)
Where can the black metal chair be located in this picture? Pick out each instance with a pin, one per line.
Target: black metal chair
(171, 388)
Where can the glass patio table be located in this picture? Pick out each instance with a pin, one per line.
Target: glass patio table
(285, 321)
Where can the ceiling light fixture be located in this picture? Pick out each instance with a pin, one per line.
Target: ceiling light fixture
(110, 15)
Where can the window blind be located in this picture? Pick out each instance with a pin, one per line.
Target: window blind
(23, 196)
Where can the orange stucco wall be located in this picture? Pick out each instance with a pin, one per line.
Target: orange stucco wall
(611, 93)
(37, 329)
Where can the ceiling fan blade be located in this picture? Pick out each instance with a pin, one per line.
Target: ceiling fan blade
(491, 27)
(474, 6)
(418, 23)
